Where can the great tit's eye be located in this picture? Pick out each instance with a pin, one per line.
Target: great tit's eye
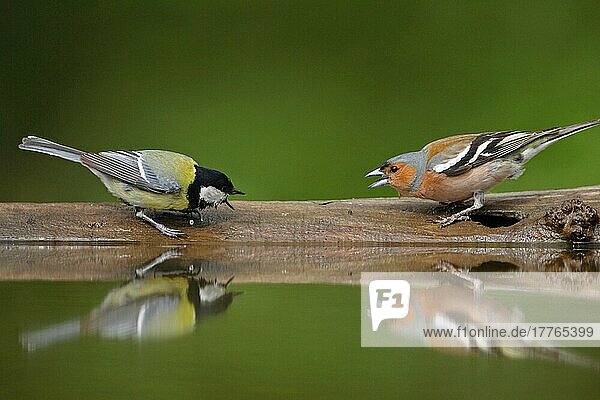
(394, 169)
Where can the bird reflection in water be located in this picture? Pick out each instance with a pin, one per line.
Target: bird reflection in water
(459, 299)
(152, 305)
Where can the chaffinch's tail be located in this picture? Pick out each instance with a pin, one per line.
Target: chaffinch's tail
(553, 135)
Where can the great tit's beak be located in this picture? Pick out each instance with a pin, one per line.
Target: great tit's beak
(233, 191)
(378, 173)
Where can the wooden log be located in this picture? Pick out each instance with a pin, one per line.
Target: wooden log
(311, 241)
(520, 216)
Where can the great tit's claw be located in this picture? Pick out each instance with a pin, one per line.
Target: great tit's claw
(169, 232)
(174, 233)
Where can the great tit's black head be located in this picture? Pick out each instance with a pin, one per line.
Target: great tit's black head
(210, 188)
(209, 297)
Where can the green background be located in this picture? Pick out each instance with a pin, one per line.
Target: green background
(293, 100)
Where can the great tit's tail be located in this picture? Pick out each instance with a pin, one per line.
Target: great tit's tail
(40, 145)
(553, 135)
(50, 335)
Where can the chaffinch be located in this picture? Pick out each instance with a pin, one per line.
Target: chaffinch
(459, 167)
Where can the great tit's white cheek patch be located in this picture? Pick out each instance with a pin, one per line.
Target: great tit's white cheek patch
(212, 293)
(211, 194)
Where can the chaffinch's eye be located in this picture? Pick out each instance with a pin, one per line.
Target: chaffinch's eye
(394, 169)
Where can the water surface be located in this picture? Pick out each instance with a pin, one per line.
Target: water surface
(272, 341)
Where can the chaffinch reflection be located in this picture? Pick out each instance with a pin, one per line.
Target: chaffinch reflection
(458, 301)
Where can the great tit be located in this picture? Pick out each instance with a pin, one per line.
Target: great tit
(148, 179)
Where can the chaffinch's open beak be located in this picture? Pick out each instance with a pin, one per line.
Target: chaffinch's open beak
(381, 182)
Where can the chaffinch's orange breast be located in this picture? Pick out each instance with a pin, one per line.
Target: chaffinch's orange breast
(402, 179)
(447, 189)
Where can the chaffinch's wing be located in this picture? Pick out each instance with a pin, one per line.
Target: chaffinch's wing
(457, 154)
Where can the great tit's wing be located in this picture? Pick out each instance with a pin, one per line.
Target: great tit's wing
(131, 167)
(470, 151)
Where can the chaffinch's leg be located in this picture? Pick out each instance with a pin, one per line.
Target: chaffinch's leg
(478, 202)
(463, 275)
(164, 230)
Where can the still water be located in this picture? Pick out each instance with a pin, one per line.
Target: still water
(146, 336)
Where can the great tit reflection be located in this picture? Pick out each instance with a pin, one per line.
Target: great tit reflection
(157, 305)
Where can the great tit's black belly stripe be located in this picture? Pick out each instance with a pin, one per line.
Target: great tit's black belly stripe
(193, 295)
(193, 192)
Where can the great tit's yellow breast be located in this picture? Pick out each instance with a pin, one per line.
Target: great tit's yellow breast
(147, 287)
(170, 165)
(144, 199)
(176, 322)
(171, 321)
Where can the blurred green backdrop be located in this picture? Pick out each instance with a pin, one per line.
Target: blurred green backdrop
(293, 100)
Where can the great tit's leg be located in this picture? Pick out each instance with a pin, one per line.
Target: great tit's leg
(167, 255)
(163, 229)
(478, 202)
